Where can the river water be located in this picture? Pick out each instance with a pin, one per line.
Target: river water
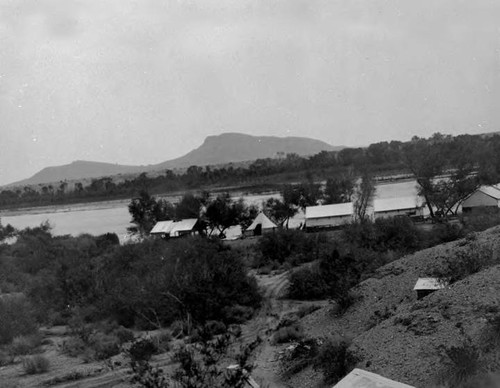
(113, 216)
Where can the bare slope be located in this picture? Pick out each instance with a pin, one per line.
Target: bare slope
(401, 338)
(216, 150)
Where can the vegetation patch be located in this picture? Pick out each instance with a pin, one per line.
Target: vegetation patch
(35, 364)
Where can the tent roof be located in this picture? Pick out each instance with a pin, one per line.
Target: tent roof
(162, 227)
(391, 204)
(334, 210)
(429, 284)
(359, 378)
(264, 220)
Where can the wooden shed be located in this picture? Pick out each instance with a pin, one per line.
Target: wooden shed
(359, 378)
(426, 286)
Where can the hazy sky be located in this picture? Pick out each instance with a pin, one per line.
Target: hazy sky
(139, 82)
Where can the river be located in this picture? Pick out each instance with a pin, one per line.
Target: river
(112, 216)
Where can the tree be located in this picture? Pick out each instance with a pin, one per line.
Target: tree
(146, 211)
(339, 189)
(446, 169)
(222, 212)
(363, 194)
(280, 211)
(189, 206)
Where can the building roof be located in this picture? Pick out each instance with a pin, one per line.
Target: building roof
(162, 227)
(264, 221)
(359, 378)
(334, 210)
(492, 191)
(183, 225)
(393, 204)
(429, 284)
(173, 227)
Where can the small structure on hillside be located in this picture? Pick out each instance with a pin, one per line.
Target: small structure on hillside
(359, 378)
(178, 228)
(484, 198)
(392, 207)
(329, 216)
(261, 225)
(426, 286)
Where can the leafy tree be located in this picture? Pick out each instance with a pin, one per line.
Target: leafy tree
(364, 193)
(339, 189)
(189, 206)
(222, 212)
(145, 212)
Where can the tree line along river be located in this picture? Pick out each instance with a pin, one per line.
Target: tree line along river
(113, 216)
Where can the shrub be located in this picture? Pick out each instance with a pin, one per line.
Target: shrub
(142, 349)
(16, 318)
(35, 364)
(123, 334)
(74, 347)
(237, 314)
(288, 334)
(24, 345)
(6, 358)
(335, 360)
(466, 261)
(300, 356)
(279, 246)
(104, 345)
(307, 284)
(461, 362)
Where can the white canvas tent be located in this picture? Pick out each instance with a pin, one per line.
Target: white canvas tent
(261, 225)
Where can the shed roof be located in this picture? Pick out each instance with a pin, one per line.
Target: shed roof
(429, 284)
(183, 225)
(334, 210)
(392, 204)
(264, 221)
(359, 378)
(492, 191)
(162, 227)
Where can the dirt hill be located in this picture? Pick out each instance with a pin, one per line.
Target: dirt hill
(401, 338)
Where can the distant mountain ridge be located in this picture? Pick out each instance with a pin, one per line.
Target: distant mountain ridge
(215, 150)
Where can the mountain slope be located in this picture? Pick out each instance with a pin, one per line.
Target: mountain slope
(79, 169)
(215, 150)
(238, 147)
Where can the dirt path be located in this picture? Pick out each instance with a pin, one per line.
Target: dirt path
(266, 366)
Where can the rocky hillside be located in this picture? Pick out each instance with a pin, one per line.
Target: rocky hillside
(404, 339)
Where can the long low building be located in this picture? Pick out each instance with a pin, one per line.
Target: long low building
(329, 216)
(402, 206)
(178, 228)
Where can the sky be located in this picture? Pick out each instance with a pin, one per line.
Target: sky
(141, 82)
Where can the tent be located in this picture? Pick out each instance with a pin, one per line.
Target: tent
(261, 225)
